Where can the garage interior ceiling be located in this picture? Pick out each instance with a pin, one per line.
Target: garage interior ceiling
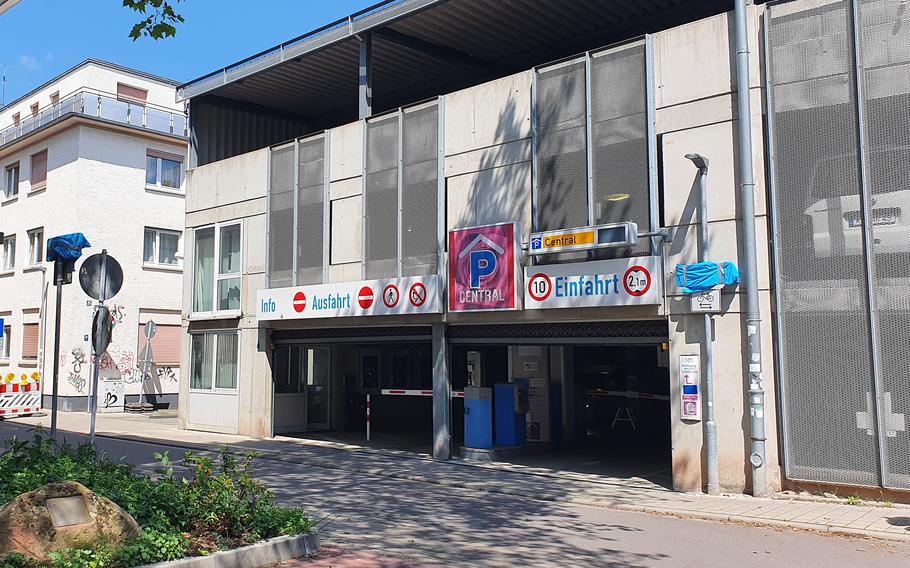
(423, 48)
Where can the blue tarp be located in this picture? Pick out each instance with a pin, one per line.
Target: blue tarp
(694, 278)
(66, 247)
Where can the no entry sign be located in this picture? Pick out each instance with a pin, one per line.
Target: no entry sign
(299, 302)
(365, 297)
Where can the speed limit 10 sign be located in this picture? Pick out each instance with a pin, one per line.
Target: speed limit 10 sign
(619, 282)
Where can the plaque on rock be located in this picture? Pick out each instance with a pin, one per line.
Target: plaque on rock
(66, 511)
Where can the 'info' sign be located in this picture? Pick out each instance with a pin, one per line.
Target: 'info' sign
(483, 268)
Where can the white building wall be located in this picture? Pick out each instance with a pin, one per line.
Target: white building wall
(96, 186)
(99, 78)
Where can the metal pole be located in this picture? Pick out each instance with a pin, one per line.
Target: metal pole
(96, 366)
(368, 417)
(750, 257)
(710, 424)
(56, 380)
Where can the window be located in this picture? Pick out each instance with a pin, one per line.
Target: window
(218, 290)
(16, 119)
(131, 94)
(30, 341)
(161, 247)
(214, 361)
(9, 253)
(163, 169)
(5, 342)
(165, 344)
(35, 247)
(39, 170)
(55, 97)
(11, 181)
(34, 109)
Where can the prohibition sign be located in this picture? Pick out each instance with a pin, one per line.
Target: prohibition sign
(299, 302)
(636, 281)
(417, 294)
(390, 296)
(539, 287)
(365, 297)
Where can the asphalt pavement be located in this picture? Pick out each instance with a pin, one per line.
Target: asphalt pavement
(420, 523)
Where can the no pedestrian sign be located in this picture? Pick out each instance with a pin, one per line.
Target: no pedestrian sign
(351, 299)
(620, 282)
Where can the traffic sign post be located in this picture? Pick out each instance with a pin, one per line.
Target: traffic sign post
(101, 278)
(145, 366)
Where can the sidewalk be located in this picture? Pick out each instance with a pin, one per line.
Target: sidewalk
(627, 494)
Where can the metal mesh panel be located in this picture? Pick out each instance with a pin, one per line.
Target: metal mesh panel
(381, 199)
(418, 191)
(824, 350)
(620, 140)
(885, 57)
(562, 178)
(281, 217)
(310, 197)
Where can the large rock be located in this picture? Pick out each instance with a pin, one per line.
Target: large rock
(62, 515)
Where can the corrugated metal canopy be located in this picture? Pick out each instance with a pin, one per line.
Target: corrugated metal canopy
(426, 47)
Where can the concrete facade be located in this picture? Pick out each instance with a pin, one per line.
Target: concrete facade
(96, 185)
(488, 179)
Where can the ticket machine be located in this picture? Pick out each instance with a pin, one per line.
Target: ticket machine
(511, 403)
(478, 417)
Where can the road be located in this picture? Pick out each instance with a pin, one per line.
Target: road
(427, 523)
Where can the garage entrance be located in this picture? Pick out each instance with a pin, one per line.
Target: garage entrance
(321, 391)
(597, 403)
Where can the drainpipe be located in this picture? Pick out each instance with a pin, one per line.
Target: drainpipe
(710, 424)
(750, 267)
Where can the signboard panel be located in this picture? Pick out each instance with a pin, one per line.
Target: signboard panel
(483, 268)
(585, 238)
(706, 301)
(390, 296)
(690, 387)
(619, 282)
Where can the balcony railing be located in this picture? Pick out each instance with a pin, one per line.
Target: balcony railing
(99, 105)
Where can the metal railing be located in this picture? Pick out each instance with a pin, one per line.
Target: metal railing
(96, 104)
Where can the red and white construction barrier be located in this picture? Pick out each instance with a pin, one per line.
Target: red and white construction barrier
(416, 392)
(16, 398)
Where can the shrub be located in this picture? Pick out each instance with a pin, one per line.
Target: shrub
(220, 505)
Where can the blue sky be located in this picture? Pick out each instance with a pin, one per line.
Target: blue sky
(40, 39)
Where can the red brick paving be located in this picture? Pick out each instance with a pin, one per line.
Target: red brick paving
(329, 557)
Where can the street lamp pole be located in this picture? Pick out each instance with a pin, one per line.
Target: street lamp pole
(710, 425)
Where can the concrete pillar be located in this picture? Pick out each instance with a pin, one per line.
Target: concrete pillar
(365, 94)
(442, 395)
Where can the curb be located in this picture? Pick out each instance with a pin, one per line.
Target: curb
(259, 555)
(758, 521)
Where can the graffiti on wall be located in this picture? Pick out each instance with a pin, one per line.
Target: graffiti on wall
(126, 365)
(166, 374)
(78, 359)
(77, 382)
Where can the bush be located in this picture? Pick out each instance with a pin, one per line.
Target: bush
(220, 505)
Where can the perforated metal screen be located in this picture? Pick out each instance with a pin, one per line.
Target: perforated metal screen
(562, 178)
(310, 198)
(620, 140)
(281, 217)
(885, 49)
(419, 190)
(831, 387)
(381, 198)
